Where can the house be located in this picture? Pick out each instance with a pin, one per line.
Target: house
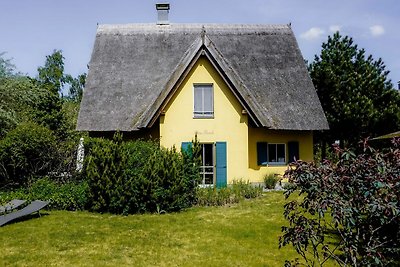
(244, 90)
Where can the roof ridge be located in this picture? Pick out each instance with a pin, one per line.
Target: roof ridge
(156, 28)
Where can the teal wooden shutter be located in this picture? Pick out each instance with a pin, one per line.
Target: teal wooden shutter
(187, 148)
(293, 148)
(262, 153)
(221, 172)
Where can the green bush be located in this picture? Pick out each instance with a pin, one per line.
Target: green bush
(211, 196)
(65, 196)
(170, 189)
(106, 175)
(26, 151)
(270, 180)
(138, 176)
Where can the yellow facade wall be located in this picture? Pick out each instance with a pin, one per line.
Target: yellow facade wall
(229, 125)
(305, 139)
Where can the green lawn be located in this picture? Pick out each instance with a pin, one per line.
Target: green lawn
(245, 234)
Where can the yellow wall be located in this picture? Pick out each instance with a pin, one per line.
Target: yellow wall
(229, 125)
(305, 139)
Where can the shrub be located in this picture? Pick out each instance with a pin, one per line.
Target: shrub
(65, 196)
(105, 173)
(28, 150)
(270, 180)
(354, 201)
(170, 188)
(138, 176)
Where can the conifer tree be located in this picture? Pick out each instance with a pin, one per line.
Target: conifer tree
(358, 98)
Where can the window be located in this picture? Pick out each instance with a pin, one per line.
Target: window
(271, 153)
(276, 153)
(207, 164)
(213, 169)
(203, 101)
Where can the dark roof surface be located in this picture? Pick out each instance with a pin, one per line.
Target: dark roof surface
(135, 67)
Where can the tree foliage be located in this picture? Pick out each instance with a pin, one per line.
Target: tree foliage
(358, 98)
(76, 87)
(53, 76)
(28, 150)
(52, 73)
(349, 211)
(37, 102)
(7, 68)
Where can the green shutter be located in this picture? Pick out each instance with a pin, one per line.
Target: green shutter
(186, 147)
(262, 153)
(221, 171)
(293, 148)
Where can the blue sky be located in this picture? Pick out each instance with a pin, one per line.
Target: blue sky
(32, 29)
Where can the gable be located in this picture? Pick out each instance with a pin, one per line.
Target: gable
(135, 68)
(227, 111)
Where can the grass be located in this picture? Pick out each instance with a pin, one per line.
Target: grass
(244, 234)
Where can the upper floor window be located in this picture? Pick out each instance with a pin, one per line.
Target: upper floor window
(203, 101)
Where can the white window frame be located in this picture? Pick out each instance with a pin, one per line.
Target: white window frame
(203, 113)
(203, 167)
(277, 162)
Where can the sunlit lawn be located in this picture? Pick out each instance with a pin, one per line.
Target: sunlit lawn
(244, 234)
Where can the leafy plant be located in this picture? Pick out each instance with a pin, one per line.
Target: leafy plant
(28, 150)
(350, 210)
(270, 180)
(62, 196)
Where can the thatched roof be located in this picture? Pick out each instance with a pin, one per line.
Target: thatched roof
(135, 69)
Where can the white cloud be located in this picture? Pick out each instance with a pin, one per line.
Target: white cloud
(377, 30)
(312, 34)
(335, 28)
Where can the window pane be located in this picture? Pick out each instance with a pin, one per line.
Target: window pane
(208, 100)
(262, 148)
(198, 99)
(208, 178)
(272, 153)
(208, 155)
(281, 152)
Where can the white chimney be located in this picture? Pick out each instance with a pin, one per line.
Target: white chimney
(162, 12)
